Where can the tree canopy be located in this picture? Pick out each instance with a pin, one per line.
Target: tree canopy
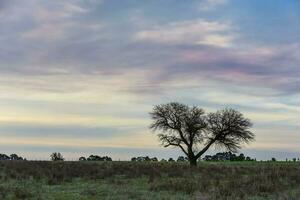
(194, 132)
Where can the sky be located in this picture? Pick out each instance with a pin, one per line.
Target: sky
(81, 76)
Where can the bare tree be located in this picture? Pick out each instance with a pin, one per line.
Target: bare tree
(189, 129)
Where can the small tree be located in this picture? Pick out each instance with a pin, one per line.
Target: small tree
(188, 128)
(154, 159)
(273, 159)
(98, 158)
(15, 157)
(4, 157)
(147, 158)
(181, 159)
(82, 158)
(133, 159)
(241, 157)
(56, 156)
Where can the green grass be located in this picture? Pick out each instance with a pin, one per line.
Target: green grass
(149, 180)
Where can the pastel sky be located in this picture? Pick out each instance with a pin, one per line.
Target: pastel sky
(81, 76)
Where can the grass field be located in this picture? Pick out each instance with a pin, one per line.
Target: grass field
(149, 180)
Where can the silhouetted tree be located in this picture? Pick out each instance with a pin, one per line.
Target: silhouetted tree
(147, 158)
(4, 157)
(144, 158)
(187, 127)
(233, 157)
(93, 158)
(273, 159)
(98, 158)
(133, 159)
(82, 158)
(56, 156)
(181, 159)
(154, 159)
(171, 160)
(141, 158)
(241, 157)
(15, 157)
(208, 158)
(227, 156)
(106, 158)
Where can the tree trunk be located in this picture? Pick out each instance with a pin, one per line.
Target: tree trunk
(193, 162)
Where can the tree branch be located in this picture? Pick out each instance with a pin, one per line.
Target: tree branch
(178, 145)
(200, 153)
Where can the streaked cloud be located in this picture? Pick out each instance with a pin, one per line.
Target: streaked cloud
(71, 67)
(192, 32)
(209, 5)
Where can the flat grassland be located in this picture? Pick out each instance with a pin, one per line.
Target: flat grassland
(149, 180)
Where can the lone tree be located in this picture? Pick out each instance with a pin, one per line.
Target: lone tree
(56, 156)
(189, 129)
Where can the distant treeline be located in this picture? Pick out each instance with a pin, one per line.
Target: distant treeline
(56, 156)
(154, 159)
(222, 156)
(95, 158)
(11, 157)
(228, 156)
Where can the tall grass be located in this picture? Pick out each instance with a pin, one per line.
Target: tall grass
(232, 181)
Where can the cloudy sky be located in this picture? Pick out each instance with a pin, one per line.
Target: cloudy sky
(80, 76)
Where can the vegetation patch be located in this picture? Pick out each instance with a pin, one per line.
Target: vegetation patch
(149, 180)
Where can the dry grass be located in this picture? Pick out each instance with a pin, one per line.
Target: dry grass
(107, 180)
